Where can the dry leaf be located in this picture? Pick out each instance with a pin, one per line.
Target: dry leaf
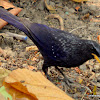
(32, 68)
(77, 8)
(78, 70)
(95, 20)
(58, 17)
(98, 37)
(7, 5)
(3, 74)
(95, 90)
(49, 7)
(32, 48)
(79, 0)
(17, 95)
(2, 97)
(80, 80)
(85, 16)
(36, 85)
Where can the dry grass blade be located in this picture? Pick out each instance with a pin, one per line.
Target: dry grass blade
(58, 17)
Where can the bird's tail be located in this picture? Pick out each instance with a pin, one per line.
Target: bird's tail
(15, 21)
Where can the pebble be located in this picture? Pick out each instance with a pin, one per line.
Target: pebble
(98, 79)
(85, 11)
(92, 9)
(97, 66)
(83, 67)
(98, 84)
(25, 65)
(4, 65)
(52, 3)
(41, 5)
(61, 13)
(71, 10)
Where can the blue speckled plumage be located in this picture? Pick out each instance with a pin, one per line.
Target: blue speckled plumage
(59, 48)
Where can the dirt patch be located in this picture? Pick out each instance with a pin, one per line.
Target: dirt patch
(76, 21)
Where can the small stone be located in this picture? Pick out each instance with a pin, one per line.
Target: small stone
(4, 61)
(25, 65)
(92, 9)
(52, 3)
(61, 13)
(41, 5)
(71, 10)
(97, 66)
(98, 79)
(98, 84)
(85, 11)
(66, 9)
(83, 67)
(4, 65)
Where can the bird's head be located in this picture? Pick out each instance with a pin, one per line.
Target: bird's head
(95, 48)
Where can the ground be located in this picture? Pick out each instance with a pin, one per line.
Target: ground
(78, 21)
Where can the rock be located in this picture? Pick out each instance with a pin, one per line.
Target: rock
(98, 79)
(25, 65)
(66, 8)
(71, 10)
(22, 54)
(52, 3)
(4, 65)
(61, 13)
(98, 84)
(74, 16)
(59, 4)
(92, 9)
(4, 61)
(97, 67)
(85, 11)
(23, 12)
(41, 5)
(83, 67)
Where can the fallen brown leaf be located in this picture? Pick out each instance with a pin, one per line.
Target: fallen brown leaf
(35, 84)
(79, 0)
(32, 48)
(7, 5)
(98, 37)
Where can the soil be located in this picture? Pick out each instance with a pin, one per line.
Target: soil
(13, 52)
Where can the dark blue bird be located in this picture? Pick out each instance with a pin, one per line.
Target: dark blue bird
(58, 48)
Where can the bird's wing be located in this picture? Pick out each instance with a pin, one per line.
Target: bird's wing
(53, 42)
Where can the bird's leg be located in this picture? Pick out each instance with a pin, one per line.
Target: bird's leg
(45, 70)
(67, 81)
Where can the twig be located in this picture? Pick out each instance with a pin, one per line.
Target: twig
(84, 95)
(87, 88)
(76, 29)
(58, 17)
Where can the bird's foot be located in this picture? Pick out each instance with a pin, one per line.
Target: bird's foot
(68, 82)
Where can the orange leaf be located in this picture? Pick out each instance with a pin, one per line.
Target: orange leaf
(77, 8)
(14, 11)
(98, 37)
(32, 67)
(35, 85)
(77, 70)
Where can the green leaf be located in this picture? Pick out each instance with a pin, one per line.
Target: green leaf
(5, 93)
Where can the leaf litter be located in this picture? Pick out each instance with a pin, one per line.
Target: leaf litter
(17, 57)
